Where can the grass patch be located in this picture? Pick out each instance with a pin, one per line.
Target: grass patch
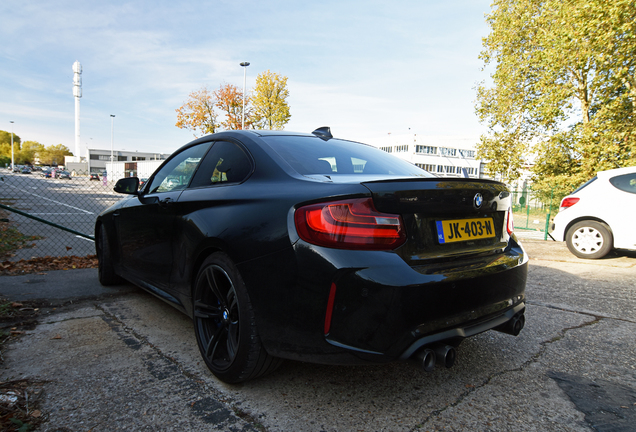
(5, 308)
(11, 239)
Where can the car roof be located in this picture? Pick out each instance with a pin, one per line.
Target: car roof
(261, 132)
(616, 171)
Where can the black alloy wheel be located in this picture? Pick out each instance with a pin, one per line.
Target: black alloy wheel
(225, 326)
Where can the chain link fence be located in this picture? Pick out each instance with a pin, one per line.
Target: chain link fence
(50, 212)
(531, 215)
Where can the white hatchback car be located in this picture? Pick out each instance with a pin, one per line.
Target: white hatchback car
(599, 216)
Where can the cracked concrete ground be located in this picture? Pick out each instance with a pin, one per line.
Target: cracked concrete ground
(129, 361)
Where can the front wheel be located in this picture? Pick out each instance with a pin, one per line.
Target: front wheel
(225, 325)
(589, 239)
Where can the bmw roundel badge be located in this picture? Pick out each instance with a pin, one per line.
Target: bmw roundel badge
(478, 200)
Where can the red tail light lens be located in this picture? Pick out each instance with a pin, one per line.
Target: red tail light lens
(350, 224)
(568, 202)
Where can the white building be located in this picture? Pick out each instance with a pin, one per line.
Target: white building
(125, 163)
(443, 156)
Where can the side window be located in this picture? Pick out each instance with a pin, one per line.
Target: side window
(225, 163)
(176, 174)
(625, 182)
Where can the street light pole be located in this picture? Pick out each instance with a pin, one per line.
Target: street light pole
(244, 65)
(12, 160)
(112, 140)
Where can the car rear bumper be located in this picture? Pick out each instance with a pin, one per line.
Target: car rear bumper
(381, 309)
(558, 227)
(455, 334)
(378, 315)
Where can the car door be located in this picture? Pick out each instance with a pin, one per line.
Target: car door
(621, 207)
(145, 224)
(212, 198)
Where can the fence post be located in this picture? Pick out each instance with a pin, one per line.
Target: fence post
(547, 219)
(525, 192)
(44, 221)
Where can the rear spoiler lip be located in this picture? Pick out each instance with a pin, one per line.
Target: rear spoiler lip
(436, 179)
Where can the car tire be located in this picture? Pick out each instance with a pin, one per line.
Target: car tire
(225, 324)
(589, 239)
(105, 271)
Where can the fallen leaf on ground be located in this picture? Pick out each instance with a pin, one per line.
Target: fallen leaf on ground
(40, 265)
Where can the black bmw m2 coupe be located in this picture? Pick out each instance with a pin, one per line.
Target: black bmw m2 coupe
(301, 246)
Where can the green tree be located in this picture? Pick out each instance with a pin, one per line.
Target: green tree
(270, 109)
(54, 154)
(5, 144)
(29, 151)
(563, 91)
(197, 113)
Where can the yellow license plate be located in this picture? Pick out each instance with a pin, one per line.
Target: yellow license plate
(449, 231)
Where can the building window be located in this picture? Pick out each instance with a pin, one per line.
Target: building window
(422, 149)
(445, 151)
(467, 153)
(427, 167)
(402, 148)
(122, 158)
(446, 169)
(138, 158)
(387, 149)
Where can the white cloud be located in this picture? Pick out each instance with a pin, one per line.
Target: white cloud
(364, 71)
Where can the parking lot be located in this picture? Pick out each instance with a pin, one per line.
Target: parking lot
(71, 203)
(120, 359)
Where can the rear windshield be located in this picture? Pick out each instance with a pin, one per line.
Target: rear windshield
(309, 155)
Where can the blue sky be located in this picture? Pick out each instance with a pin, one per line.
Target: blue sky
(365, 68)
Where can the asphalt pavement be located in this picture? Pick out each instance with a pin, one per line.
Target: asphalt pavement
(118, 358)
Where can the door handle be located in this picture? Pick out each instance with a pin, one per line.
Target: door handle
(166, 202)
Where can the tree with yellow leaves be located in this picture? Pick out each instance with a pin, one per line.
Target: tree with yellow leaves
(197, 113)
(269, 102)
(229, 99)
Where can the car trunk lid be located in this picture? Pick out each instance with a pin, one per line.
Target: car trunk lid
(446, 217)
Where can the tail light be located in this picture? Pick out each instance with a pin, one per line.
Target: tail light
(510, 225)
(349, 224)
(568, 202)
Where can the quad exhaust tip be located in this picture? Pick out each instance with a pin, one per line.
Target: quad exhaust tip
(514, 325)
(445, 355)
(436, 354)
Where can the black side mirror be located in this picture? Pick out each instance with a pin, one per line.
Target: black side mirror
(128, 185)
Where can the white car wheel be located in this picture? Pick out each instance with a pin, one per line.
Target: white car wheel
(589, 239)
